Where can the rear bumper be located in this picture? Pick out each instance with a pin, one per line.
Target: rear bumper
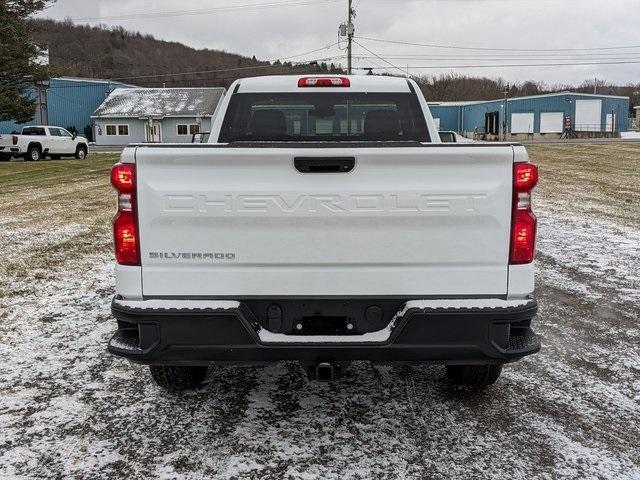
(9, 150)
(203, 332)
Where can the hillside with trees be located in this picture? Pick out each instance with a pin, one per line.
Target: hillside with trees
(116, 53)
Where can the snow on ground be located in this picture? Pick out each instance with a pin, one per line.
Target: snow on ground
(70, 410)
(630, 135)
(593, 256)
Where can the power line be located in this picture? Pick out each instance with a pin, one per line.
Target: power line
(202, 72)
(248, 67)
(230, 69)
(261, 64)
(204, 11)
(494, 59)
(458, 47)
(509, 65)
(283, 67)
(470, 56)
(370, 69)
(379, 57)
(326, 47)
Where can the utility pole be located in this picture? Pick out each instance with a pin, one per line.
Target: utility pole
(505, 124)
(350, 32)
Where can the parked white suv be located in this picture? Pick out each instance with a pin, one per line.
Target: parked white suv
(325, 222)
(36, 142)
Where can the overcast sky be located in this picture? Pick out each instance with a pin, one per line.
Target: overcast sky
(270, 30)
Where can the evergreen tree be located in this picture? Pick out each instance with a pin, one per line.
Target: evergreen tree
(18, 55)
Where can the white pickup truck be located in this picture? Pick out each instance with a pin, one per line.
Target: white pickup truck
(36, 142)
(324, 222)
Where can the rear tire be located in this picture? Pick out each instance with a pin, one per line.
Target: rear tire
(5, 158)
(475, 376)
(81, 153)
(33, 154)
(177, 379)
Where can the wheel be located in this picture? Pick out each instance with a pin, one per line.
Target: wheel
(81, 152)
(177, 379)
(477, 376)
(5, 158)
(33, 154)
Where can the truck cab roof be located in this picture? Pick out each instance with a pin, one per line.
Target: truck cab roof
(289, 84)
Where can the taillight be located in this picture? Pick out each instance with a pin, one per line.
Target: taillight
(525, 177)
(524, 223)
(123, 177)
(14, 139)
(305, 82)
(125, 234)
(125, 224)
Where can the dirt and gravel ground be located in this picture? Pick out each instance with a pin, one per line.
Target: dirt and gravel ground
(70, 410)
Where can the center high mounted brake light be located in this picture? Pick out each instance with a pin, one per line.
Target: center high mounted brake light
(306, 82)
(125, 224)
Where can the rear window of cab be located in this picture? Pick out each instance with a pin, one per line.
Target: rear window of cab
(312, 116)
(33, 131)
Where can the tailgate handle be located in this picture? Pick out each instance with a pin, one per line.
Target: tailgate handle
(324, 164)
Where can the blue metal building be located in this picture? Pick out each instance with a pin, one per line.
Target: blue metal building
(448, 115)
(549, 115)
(67, 102)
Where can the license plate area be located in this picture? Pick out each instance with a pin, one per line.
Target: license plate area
(325, 325)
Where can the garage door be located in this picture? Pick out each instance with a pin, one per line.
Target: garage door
(522, 122)
(551, 122)
(588, 115)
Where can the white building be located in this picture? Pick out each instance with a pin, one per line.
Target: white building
(167, 115)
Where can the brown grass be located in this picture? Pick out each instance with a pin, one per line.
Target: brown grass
(596, 180)
(51, 211)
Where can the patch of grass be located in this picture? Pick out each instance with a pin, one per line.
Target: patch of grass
(37, 193)
(16, 176)
(40, 201)
(596, 180)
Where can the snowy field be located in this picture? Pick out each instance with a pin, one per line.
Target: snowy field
(70, 410)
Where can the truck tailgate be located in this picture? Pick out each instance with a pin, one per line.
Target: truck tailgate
(407, 221)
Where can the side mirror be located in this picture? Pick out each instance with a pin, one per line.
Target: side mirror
(73, 136)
